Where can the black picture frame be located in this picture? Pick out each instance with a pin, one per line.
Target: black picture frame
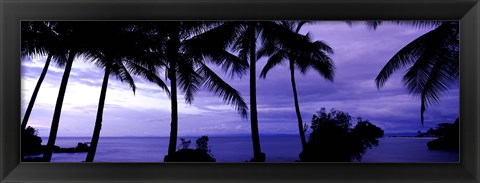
(13, 11)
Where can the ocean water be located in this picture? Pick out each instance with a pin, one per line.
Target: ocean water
(408, 149)
(239, 149)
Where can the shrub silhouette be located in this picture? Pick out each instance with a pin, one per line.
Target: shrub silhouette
(184, 144)
(185, 154)
(31, 142)
(333, 140)
(202, 144)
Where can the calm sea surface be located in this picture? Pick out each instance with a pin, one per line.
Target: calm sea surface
(239, 149)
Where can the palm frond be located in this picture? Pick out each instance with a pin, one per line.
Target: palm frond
(435, 64)
(229, 95)
(148, 74)
(189, 29)
(300, 25)
(38, 38)
(314, 55)
(431, 76)
(373, 24)
(242, 44)
(121, 73)
(267, 50)
(324, 67)
(274, 60)
(214, 39)
(211, 46)
(417, 75)
(295, 47)
(188, 79)
(403, 58)
(418, 23)
(230, 63)
(321, 46)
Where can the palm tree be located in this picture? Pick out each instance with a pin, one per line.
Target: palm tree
(115, 49)
(433, 61)
(186, 48)
(38, 38)
(244, 37)
(299, 51)
(248, 45)
(72, 36)
(241, 37)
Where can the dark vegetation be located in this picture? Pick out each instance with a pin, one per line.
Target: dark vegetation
(431, 59)
(32, 145)
(31, 142)
(447, 136)
(333, 139)
(186, 154)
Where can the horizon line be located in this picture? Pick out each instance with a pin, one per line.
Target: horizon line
(234, 135)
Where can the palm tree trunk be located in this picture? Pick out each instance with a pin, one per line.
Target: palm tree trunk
(174, 124)
(47, 156)
(173, 46)
(35, 92)
(98, 122)
(257, 153)
(297, 107)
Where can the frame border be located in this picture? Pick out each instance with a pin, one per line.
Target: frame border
(13, 11)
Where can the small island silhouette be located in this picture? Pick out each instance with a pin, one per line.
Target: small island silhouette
(447, 136)
(32, 145)
(333, 139)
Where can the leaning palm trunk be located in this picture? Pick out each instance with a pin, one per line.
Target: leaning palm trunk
(98, 122)
(35, 92)
(174, 124)
(47, 156)
(297, 107)
(258, 156)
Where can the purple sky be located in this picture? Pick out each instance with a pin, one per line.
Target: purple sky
(360, 53)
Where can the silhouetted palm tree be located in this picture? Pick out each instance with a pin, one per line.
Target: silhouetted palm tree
(118, 52)
(300, 52)
(433, 59)
(72, 36)
(186, 47)
(244, 38)
(39, 39)
(246, 45)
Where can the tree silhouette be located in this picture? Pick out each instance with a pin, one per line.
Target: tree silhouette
(72, 36)
(185, 48)
(244, 38)
(300, 52)
(433, 61)
(116, 50)
(333, 140)
(38, 38)
(31, 142)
